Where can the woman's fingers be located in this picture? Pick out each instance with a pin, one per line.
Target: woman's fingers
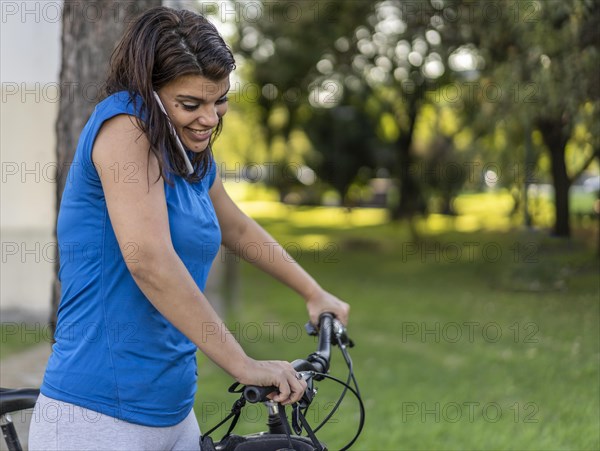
(290, 386)
(291, 389)
(322, 302)
(298, 386)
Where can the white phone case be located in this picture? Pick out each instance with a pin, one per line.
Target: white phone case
(188, 163)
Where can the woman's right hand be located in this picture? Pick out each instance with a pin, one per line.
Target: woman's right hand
(277, 373)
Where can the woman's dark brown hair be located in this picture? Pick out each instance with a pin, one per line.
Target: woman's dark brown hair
(158, 46)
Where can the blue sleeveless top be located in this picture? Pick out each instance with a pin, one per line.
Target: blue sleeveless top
(114, 352)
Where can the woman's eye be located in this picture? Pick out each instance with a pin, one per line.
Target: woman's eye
(222, 100)
(189, 107)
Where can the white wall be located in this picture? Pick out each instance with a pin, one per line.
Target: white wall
(30, 58)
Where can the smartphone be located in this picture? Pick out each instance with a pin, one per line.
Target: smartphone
(188, 163)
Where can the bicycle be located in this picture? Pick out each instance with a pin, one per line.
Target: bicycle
(279, 435)
(14, 400)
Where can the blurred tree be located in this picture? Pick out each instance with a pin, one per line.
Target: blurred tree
(89, 33)
(401, 53)
(366, 74)
(287, 53)
(542, 63)
(345, 139)
(507, 65)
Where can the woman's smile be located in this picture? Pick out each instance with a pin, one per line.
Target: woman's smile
(198, 135)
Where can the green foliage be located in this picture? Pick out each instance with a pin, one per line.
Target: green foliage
(430, 84)
(289, 59)
(544, 58)
(344, 136)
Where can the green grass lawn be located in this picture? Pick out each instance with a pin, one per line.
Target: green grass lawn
(478, 335)
(465, 340)
(16, 337)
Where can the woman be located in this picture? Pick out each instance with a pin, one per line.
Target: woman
(141, 219)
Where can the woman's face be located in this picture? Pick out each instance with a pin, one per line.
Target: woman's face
(195, 104)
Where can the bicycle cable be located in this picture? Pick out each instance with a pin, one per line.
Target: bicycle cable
(360, 404)
(355, 391)
(343, 394)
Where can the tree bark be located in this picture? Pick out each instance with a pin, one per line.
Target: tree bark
(562, 184)
(556, 137)
(90, 31)
(409, 189)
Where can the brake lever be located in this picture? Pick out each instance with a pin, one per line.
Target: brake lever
(341, 334)
(311, 329)
(303, 403)
(296, 424)
(338, 330)
(309, 393)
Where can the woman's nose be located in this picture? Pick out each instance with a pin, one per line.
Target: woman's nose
(208, 116)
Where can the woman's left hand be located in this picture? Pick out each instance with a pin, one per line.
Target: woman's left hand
(321, 302)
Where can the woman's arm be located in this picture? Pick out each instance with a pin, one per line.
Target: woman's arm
(138, 213)
(239, 231)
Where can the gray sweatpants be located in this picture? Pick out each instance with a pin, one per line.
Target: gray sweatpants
(61, 426)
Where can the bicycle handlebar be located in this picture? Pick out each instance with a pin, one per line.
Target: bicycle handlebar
(314, 367)
(317, 362)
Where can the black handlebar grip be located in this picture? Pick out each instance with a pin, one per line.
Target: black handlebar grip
(258, 394)
(319, 362)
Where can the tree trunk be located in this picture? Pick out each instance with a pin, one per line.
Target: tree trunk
(409, 189)
(556, 138)
(561, 193)
(90, 31)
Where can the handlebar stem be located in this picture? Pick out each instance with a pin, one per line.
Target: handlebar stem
(317, 362)
(320, 363)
